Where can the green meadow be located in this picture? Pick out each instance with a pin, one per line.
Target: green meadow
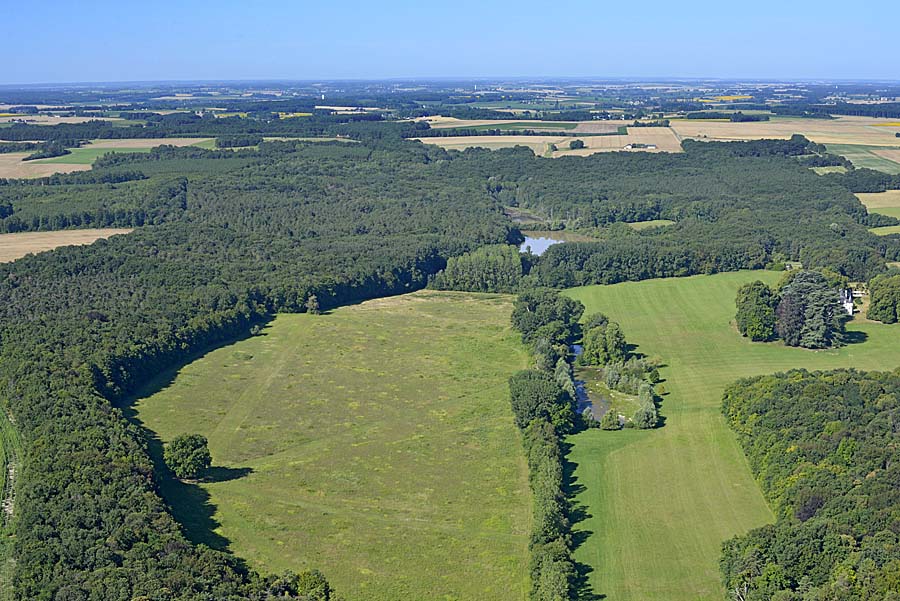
(862, 156)
(87, 155)
(375, 443)
(661, 502)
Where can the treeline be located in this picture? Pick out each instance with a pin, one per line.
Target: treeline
(804, 310)
(735, 117)
(880, 109)
(823, 447)
(543, 403)
(866, 180)
(487, 269)
(237, 141)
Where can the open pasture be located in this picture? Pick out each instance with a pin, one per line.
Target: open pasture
(661, 502)
(15, 246)
(375, 443)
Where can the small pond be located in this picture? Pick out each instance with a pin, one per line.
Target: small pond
(537, 245)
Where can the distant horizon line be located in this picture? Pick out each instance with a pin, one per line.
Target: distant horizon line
(454, 78)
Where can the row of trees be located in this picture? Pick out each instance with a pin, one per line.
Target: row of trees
(805, 310)
(543, 402)
(496, 268)
(823, 447)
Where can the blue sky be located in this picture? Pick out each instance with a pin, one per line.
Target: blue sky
(90, 40)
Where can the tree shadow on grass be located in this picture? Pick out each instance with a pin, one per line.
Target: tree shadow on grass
(578, 513)
(189, 502)
(855, 337)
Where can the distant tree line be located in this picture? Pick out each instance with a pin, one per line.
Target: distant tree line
(735, 117)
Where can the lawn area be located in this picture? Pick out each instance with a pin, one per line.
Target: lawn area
(661, 502)
(375, 443)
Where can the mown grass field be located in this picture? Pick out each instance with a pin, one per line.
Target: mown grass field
(865, 156)
(375, 443)
(884, 203)
(661, 502)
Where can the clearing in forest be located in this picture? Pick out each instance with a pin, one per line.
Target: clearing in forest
(375, 443)
(884, 203)
(661, 502)
(15, 246)
(662, 138)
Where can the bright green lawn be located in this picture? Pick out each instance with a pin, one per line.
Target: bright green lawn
(662, 501)
(862, 156)
(381, 444)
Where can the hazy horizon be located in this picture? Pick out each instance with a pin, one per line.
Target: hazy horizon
(300, 41)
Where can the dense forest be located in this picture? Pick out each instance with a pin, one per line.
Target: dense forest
(824, 448)
(226, 238)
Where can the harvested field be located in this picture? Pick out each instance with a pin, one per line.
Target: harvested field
(891, 154)
(599, 127)
(539, 144)
(878, 202)
(15, 246)
(842, 130)
(12, 166)
(662, 137)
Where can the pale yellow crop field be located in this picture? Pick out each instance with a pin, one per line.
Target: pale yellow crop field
(539, 144)
(841, 130)
(12, 166)
(880, 200)
(662, 137)
(15, 246)
(891, 154)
